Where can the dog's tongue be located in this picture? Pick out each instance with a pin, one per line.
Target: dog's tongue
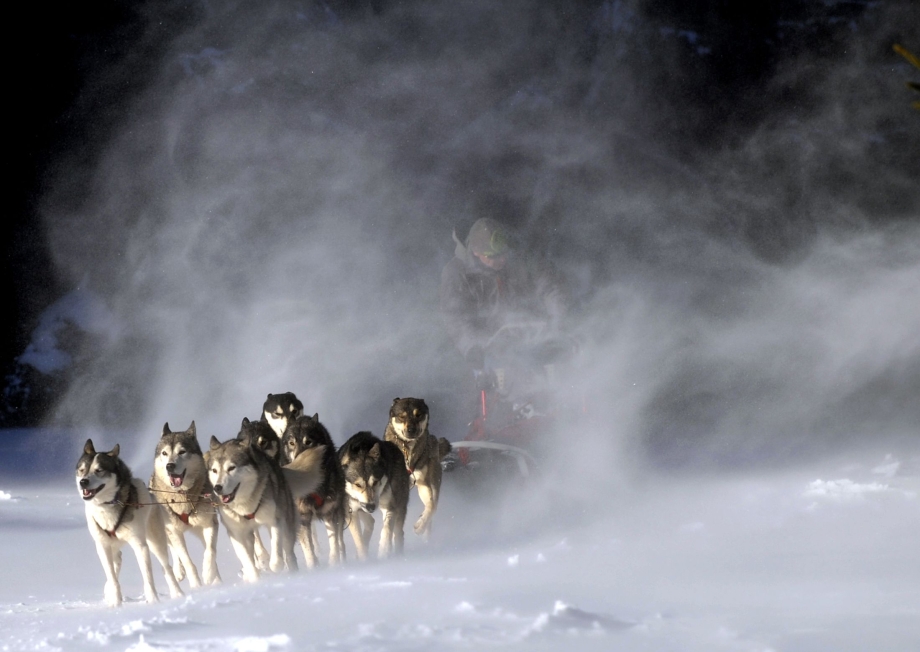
(87, 493)
(176, 480)
(227, 498)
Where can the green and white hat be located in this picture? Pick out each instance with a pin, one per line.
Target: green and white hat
(488, 238)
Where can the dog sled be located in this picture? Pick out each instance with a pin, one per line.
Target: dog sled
(518, 404)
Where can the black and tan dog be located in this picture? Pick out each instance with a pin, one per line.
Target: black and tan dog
(328, 503)
(408, 429)
(375, 476)
(262, 435)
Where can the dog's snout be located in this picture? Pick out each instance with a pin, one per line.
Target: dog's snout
(218, 488)
(370, 507)
(84, 482)
(170, 467)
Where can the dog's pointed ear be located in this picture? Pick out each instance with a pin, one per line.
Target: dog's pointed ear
(395, 400)
(166, 430)
(115, 451)
(374, 452)
(244, 423)
(345, 459)
(315, 417)
(88, 448)
(215, 442)
(191, 429)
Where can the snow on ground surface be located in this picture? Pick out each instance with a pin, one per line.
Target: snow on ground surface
(818, 557)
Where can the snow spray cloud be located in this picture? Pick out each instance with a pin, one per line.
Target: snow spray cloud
(274, 212)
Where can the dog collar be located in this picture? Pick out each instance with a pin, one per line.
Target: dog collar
(316, 500)
(249, 517)
(407, 453)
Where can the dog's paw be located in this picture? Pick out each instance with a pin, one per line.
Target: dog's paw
(422, 526)
(262, 562)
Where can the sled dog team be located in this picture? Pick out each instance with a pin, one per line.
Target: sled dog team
(280, 472)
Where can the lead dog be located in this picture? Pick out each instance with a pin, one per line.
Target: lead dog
(180, 483)
(423, 452)
(119, 510)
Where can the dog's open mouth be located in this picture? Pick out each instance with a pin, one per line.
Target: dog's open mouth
(176, 480)
(228, 498)
(89, 493)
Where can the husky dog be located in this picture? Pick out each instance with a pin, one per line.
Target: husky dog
(119, 511)
(180, 483)
(327, 502)
(280, 410)
(253, 491)
(262, 435)
(423, 452)
(375, 474)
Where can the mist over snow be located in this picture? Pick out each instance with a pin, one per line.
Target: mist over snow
(273, 213)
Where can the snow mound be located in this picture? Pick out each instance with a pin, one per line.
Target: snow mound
(232, 644)
(845, 490)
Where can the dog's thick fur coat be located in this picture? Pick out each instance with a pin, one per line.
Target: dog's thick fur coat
(180, 483)
(119, 510)
(423, 452)
(253, 491)
(375, 475)
(327, 503)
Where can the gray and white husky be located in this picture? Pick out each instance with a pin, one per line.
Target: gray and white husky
(180, 483)
(375, 475)
(254, 491)
(119, 510)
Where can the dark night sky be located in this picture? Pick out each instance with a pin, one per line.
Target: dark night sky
(63, 108)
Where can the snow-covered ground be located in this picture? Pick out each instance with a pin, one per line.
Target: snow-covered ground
(823, 556)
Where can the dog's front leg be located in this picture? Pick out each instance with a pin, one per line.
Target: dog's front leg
(142, 552)
(333, 523)
(429, 496)
(108, 558)
(209, 564)
(182, 559)
(305, 536)
(361, 525)
(156, 542)
(386, 534)
(276, 561)
(242, 539)
(261, 554)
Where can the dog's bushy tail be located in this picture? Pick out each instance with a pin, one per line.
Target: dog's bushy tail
(305, 474)
(444, 447)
